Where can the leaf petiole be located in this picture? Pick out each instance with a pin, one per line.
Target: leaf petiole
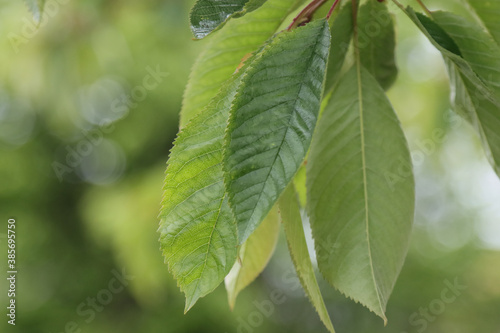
(424, 7)
(306, 14)
(332, 9)
(399, 5)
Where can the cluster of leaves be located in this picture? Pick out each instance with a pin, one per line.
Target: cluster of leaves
(271, 117)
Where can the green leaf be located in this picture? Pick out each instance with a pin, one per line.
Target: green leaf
(489, 13)
(36, 8)
(342, 29)
(360, 192)
(253, 5)
(210, 15)
(254, 255)
(476, 47)
(290, 214)
(476, 107)
(436, 33)
(480, 106)
(448, 48)
(198, 231)
(223, 53)
(473, 62)
(299, 182)
(272, 121)
(377, 42)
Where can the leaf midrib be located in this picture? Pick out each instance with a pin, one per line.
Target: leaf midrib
(303, 82)
(363, 159)
(209, 245)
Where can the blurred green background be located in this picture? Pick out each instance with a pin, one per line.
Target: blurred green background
(78, 227)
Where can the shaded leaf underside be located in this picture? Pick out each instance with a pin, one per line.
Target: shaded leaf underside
(342, 29)
(377, 42)
(360, 203)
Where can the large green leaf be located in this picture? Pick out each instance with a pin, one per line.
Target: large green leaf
(360, 193)
(209, 15)
(223, 53)
(342, 29)
(198, 231)
(377, 42)
(36, 8)
(272, 121)
(489, 13)
(296, 239)
(254, 255)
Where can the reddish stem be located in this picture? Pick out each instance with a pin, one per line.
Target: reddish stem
(332, 9)
(306, 14)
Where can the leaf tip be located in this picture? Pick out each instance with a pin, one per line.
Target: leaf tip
(190, 302)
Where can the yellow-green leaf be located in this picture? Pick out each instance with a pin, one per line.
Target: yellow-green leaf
(254, 255)
(296, 239)
(224, 51)
(489, 13)
(198, 231)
